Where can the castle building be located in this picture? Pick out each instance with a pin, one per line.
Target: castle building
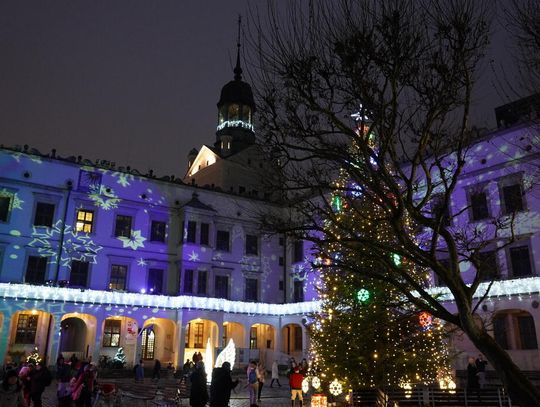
(93, 257)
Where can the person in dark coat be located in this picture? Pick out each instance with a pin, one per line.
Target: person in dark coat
(222, 384)
(63, 376)
(11, 390)
(198, 396)
(472, 377)
(40, 378)
(156, 372)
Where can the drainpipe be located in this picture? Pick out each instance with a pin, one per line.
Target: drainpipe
(58, 260)
(62, 232)
(284, 268)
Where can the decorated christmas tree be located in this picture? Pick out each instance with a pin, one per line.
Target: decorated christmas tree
(367, 333)
(34, 357)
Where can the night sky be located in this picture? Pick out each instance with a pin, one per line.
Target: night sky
(134, 82)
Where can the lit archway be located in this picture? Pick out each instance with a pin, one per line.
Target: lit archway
(157, 339)
(292, 339)
(197, 333)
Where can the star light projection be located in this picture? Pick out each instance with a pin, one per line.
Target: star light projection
(77, 245)
(104, 197)
(134, 241)
(16, 202)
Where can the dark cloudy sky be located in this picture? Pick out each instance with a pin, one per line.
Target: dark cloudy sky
(130, 81)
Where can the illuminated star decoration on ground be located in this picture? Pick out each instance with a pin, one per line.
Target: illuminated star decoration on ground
(134, 242)
(77, 246)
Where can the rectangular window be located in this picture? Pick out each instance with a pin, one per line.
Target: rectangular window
(199, 334)
(253, 338)
(155, 281)
(44, 214)
(251, 289)
(488, 265)
(479, 206)
(298, 252)
(298, 291)
(157, 231)
(5, 204)
(440, 210)
(118, 277)
(500, 331)
(35, 270)
(205, 234)
(527, 333)
(281, 241)
(221, 287)
(222, 240)
(513, 198)
(78, 277)
(111, 333)
(281, 261)
(188, 282)
(297, 338)
(85, 221)
(252, 245)
(26, 328)
(191, 232)
(281, 285)
(122, 227)
(520, 261)
(201, 282)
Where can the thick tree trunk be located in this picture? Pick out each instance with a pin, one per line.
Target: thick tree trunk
(519, 387)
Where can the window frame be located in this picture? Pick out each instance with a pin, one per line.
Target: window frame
(86, 284)
(112, 328)
(116, 229)
(298, 291)
(217, 292)
(35, 218)
(202, 283)
(153, 236)
(508, 181)
(191, 232)
(111, 268)
(249, 290)
(510, 264)
(26, 333)
(149, 290)
(204, 232)
(45, 270)
(84, 221)
(8, 207)
(251, 248)
(191, 273)
(219, 246)
(474, 191)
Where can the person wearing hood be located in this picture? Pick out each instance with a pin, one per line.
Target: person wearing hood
(11, 391)
(222, 384)
(199, 394)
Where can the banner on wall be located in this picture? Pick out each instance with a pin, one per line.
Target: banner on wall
(132, 331)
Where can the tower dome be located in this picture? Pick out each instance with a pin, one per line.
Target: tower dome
(235, 112)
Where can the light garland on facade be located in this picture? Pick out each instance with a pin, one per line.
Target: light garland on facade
(61, 294)
(235, 123)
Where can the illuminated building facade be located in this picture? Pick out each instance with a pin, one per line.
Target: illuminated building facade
(94, 257)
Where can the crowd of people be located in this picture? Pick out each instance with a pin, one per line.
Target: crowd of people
(23, 385)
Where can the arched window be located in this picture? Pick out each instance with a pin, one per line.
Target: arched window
(148, 342)
(515, 329)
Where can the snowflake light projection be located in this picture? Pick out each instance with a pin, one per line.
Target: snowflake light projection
(134, 241)
(34, 158)
(16, 202)
(193, 256)
(77, 246)
(123, 178)
(104, 197)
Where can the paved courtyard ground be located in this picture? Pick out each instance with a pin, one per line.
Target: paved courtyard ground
(149, 392)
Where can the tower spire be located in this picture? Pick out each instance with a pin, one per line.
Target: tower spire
(237, 70)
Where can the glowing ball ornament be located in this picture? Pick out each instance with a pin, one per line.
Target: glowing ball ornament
(335, 388)
(396, 258)
(363, 295)
(305, 385)
(316, 382)
(426, 320)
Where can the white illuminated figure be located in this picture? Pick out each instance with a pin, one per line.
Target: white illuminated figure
(209, 362)
(228, 354)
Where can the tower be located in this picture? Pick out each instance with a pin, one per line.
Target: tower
(235, 112)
